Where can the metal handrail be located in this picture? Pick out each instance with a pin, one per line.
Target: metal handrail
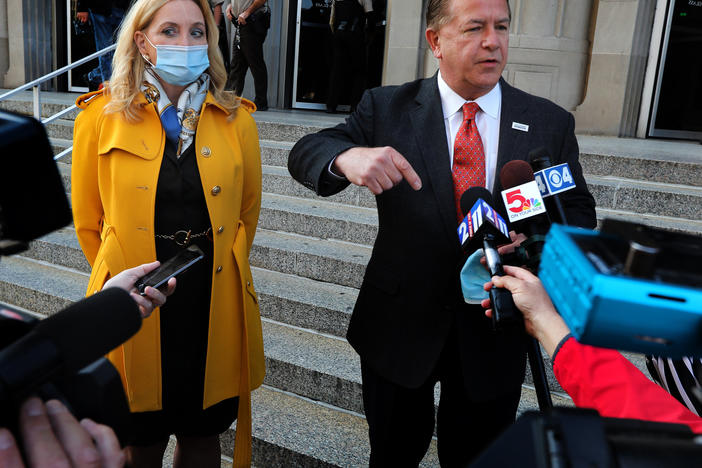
(36, 92)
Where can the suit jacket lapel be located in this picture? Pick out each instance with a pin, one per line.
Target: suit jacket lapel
(511, 139)
(430, 134)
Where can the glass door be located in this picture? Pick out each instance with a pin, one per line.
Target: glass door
(80, 43)
(313, 49)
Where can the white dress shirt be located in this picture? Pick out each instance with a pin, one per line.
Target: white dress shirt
(487, 119)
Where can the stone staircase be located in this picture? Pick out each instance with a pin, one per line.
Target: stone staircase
(308, 260)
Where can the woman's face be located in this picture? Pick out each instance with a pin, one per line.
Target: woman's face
(178, 22)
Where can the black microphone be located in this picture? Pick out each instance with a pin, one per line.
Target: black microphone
(525, 208)
(540, 162)
(66, 342)
(486, 227)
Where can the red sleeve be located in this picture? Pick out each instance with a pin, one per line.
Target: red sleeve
(606, 381)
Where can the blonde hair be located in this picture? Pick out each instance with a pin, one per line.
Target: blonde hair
(128, 66)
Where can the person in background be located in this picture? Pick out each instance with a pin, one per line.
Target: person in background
(594, 377)
(218, 13)
(105, 16)
(350, 20)
(163, 158)
(251, 19)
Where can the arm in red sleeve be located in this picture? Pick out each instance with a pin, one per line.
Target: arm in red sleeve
(605, 380)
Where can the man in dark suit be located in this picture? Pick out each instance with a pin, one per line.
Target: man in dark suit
(411, 326)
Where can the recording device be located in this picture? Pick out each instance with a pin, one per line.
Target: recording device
(551, 180)
(59, 357)
(629, 287)
(525, 208)
(484, 227)
(27, 161)
(54, 351)
(569, 437)
(159, 277)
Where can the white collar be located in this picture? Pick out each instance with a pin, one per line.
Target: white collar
(452, 102)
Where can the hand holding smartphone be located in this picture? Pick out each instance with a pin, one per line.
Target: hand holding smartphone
(170, 268)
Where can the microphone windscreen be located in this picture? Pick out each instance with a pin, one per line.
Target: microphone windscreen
(91, 327)
(471, 196)
(516, 173)
(539, 158)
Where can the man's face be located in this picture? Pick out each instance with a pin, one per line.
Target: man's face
(472, 46)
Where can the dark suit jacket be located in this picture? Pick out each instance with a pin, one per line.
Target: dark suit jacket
(411, 296)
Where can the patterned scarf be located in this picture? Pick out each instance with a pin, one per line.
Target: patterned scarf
(179, 122)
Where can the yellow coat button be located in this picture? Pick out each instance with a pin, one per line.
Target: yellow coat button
(220, 229)
(219, 268)
(216, 189)
(206, 151)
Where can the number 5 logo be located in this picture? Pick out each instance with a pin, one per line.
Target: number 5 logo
(515, 201)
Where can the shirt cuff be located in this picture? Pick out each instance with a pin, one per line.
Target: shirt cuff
(558, 348)
(332, 173)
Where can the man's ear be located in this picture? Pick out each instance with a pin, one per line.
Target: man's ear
(433, 41)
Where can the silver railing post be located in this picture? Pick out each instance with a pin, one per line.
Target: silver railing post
(36, 94)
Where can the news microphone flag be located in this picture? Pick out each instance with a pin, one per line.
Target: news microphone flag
(523, 201)
(554, 179)
(481, 212)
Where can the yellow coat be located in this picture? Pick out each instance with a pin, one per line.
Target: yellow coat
(114, 174)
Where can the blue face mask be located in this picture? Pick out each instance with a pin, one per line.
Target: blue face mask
(179, 65)
(473, 276)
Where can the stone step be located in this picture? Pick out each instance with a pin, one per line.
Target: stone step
(296, 432)
(292, 125)
(278, 180)
(332, 261)
(61, 129)
(275, 153)
(39, 286)
(662, 161)
(304, 303)
(690, 226)
(319, 218)
(654, 198)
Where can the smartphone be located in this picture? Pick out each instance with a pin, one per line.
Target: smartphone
(170, 268)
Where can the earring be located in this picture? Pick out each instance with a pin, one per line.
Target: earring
(145, 57)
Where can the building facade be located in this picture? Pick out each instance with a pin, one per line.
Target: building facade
(603, 60)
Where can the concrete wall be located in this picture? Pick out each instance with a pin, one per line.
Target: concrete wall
(15, 34)
(619, 56)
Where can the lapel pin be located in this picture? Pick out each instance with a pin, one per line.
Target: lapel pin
(520, 126)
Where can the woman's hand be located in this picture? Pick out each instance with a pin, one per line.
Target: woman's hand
(541, 319)
(153, 297)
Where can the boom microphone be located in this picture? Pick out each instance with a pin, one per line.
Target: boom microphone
(487, 228)
(525, 207)
(66, 342)
(552, 180)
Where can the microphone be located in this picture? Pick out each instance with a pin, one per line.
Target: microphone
(480, 218)
(525, 207)
(551, 180)
(66, 342)
(485, 228)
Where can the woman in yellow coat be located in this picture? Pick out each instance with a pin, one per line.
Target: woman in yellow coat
(164, 158)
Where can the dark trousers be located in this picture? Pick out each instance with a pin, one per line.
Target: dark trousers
(104, 27)
(401, 420)
(249, 54)
(348, 75)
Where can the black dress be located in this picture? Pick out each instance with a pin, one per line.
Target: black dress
(181, 205)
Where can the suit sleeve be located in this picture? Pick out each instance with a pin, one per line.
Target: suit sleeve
(85, 193)
(578, 203)
(604, 380)
(309, 159)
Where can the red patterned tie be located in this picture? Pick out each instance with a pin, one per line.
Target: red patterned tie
(468, 156)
